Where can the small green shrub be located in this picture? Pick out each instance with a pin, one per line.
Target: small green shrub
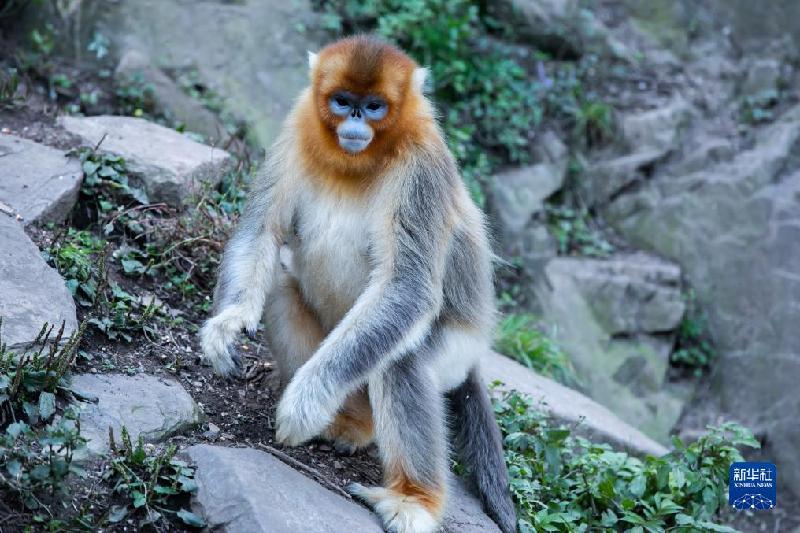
(191, 84)
(9, 88)
(561, 482)
(80, 257)
(38, 439)
(135, 97)
(760, 107)
(154, 485)
(593, 122)
(106, 185)
(184, 250)
(181, 249)
(694, 348)
(574, 234)
(518, 337)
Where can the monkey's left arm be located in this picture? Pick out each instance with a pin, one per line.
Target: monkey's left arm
(393, 314)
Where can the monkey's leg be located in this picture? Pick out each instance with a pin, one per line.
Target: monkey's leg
(352, 428)
(410, 431)
(293, 334)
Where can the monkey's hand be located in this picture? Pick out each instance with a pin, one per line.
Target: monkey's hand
(306, 408)
(217, 337)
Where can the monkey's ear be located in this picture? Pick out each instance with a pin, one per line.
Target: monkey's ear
(312, 60)
(420, 79)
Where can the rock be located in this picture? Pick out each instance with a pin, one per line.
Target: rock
(605, 179)
(569, 406)
(647, 137)
(754, 27)
(150, 406)
(560, 28)
(518, 194)
(658, 129)
(40, 183)
(762, 74)
(707, 151)
(463, 513)
(256, 60)
(633, 293)
(735, 230)
(31, 293)
(170, 165)
(136, 67)
(243, 489)
(606, 314)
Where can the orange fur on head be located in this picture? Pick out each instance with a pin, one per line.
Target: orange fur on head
(364, 66)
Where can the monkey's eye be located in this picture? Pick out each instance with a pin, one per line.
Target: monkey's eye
(376, 109)
(340, 104)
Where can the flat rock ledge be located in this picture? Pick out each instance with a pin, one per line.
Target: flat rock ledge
(171, 166)
(569, 406)
(31, 293)
(244, 490)
(38, 183)
(151, 406)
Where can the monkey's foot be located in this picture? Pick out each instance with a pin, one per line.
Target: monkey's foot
(349, 433)
(400, 513)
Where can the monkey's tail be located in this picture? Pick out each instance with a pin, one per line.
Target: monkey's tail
(479, 444)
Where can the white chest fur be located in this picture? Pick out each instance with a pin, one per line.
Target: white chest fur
(330, 253)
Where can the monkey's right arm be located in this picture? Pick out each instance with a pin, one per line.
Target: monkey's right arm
(247, 272)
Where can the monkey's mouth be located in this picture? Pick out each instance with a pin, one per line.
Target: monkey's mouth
(354, 143)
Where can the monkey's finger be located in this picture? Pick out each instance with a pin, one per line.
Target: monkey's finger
(237, 372)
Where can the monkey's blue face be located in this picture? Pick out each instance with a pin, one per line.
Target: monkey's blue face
(355, 132)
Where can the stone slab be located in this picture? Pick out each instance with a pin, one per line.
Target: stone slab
(39, 183)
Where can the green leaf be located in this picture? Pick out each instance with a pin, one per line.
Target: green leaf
(715, 527)
(139, 195)
(138, 499)
(162, 489)
(187, 484)
(117, 513)
(131, 266)
(14, 468)
(638, 486)
(31, 411)
(191, 519)
(47, 405)
(40, 472)
(608, 518)
(90, 167)
(107, 171)
(677, 478)
(72, 285)
(16, 428)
